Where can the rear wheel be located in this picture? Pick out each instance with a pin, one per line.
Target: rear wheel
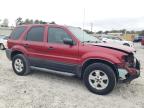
(20, 64)
(2, 47)
(99, 78)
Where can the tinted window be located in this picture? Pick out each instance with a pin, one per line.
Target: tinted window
(35, 34)
(17, 33)
(57, 35)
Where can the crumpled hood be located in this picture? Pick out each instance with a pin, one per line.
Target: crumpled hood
(122, 48)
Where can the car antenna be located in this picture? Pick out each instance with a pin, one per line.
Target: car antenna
(83, 23)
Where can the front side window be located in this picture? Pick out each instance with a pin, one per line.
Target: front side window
(17, 33)
(35, 34)
(57, 35)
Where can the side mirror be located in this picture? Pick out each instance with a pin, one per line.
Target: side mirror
(68, 41)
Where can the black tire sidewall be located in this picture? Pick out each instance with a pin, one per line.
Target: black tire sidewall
(25, 62)
(108, 71)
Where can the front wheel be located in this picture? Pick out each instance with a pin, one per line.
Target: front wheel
(20, 64)
(99, 78)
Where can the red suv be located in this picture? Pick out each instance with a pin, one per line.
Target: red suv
(71, 50)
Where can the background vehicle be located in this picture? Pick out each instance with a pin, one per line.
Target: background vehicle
(3, 42)
(71, 50)
(142, 41)
(117, 40)
(138, 38)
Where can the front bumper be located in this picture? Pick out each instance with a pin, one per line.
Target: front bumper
(128, 74)
(128, 78)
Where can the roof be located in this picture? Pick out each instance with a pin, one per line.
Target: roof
(38, 25)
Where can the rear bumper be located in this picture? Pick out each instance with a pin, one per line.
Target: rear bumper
(8, 53)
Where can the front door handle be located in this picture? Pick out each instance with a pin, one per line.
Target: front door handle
(26, 45)
(50, 48)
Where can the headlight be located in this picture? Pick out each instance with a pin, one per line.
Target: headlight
(130, 60)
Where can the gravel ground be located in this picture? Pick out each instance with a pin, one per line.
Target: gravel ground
(46, 90)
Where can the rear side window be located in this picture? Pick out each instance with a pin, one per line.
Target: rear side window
(17, 33)
(35, 34)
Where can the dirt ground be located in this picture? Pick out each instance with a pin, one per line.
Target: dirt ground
(46, 90)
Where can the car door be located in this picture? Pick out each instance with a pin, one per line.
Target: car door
(33, 43)
(60, 56)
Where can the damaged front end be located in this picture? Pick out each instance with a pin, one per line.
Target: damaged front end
(130, 70)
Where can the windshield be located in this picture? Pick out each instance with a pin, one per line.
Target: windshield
(82, 35)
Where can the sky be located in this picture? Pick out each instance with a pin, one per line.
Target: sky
(102, 14)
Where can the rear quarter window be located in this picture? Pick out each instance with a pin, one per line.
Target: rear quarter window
(17, 33)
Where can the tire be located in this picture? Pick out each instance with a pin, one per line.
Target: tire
(126, 44)
(2, 47)
(20, 65)
(102, 85)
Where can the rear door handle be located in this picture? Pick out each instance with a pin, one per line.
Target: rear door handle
(50, 48)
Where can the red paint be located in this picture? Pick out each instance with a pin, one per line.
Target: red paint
(77, 54)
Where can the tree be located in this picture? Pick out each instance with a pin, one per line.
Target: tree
(36, 22)
(88, 31)
(132, 32)
(31, 21)
(5, 23)
(40, 21)
(141, 33)
(123, 31)
(27, 21)
(52, 22)
(19, 21)
(43, 22)
(106, 32)
(99, 32)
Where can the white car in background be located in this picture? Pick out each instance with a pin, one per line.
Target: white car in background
(3, 42)
(117, 40)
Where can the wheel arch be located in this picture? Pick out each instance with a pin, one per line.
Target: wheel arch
(91, 61)
(15, 52)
